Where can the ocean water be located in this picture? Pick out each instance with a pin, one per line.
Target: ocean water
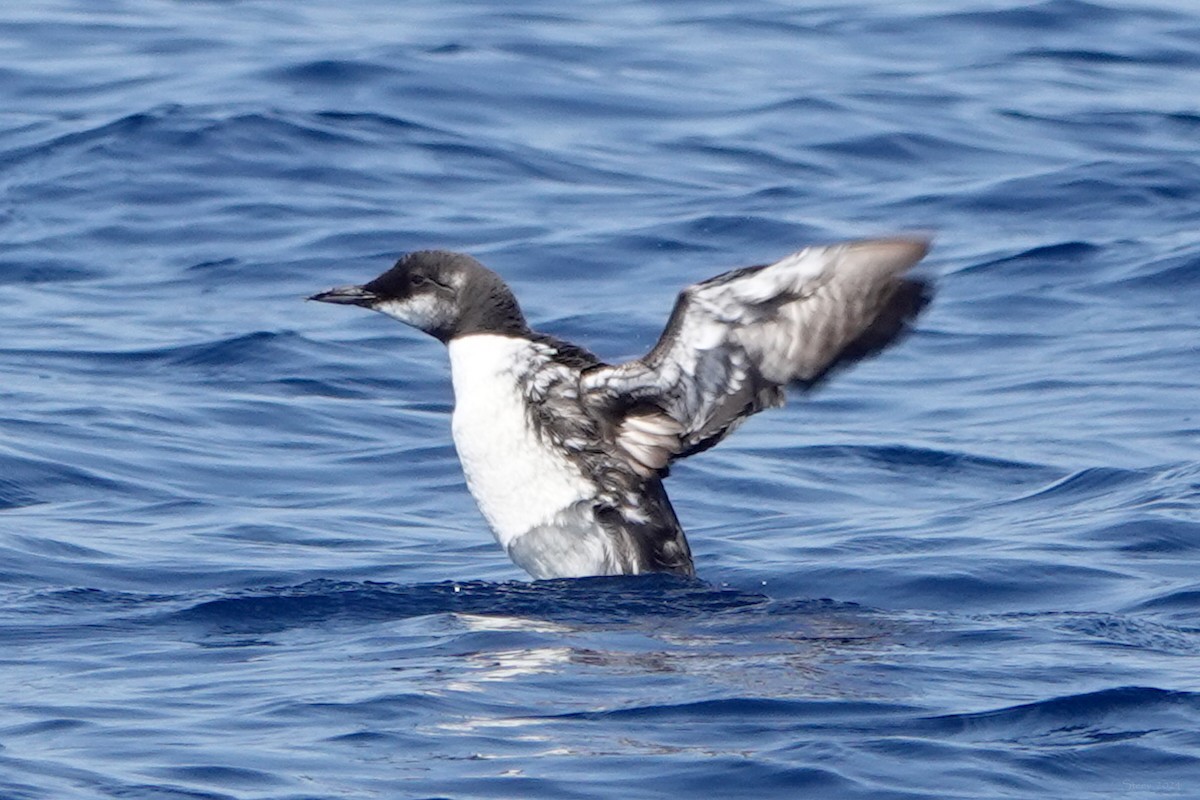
(237, 557)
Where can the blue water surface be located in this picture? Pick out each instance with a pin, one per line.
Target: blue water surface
(237, 557)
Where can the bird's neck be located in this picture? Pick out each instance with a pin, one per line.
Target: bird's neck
(494, 312)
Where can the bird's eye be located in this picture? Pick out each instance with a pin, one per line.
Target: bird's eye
(417, 280)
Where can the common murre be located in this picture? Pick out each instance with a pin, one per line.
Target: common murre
(565, 455)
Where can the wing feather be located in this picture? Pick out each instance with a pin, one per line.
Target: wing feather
(733, 342)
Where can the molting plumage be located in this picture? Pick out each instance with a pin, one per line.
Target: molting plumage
(565, 455)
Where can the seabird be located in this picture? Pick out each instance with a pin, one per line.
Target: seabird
(565, 454)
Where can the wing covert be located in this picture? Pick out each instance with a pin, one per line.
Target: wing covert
(733, 342)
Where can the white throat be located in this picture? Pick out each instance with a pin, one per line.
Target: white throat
(424, 312)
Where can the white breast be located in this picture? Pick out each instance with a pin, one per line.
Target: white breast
(519, 483)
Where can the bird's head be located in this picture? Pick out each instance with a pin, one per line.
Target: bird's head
(442, 293)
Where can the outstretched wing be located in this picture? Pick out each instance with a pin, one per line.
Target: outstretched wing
(734, 342)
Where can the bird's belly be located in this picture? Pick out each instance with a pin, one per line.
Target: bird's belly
(538, 501)
(519, 482)
(573, 545)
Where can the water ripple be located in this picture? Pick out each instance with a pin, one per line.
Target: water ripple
(237, 556)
